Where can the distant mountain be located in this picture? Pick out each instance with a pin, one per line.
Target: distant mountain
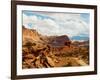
(81, 43)
(79, 38)
(60, 41)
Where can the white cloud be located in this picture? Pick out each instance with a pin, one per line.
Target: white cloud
(70, 24)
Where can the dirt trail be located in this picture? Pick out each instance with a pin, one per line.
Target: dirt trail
(70, 61)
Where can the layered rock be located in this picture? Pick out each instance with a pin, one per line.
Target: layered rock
(36, 52)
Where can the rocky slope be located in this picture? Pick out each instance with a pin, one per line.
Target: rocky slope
(41, 51)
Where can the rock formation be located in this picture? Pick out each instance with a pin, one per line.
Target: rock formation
(39, 51)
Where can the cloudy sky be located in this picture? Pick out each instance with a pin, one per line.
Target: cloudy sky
(50, 23)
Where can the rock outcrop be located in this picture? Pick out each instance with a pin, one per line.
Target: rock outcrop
(36, 52)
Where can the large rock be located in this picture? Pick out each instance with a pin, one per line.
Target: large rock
(60, 41)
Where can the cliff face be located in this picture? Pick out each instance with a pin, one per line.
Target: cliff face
(30, 35)
(60, 41)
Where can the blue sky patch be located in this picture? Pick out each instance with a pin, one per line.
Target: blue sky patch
(85, 17)
(39, 16)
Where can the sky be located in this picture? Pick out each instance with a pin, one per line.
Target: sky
(75, 25)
